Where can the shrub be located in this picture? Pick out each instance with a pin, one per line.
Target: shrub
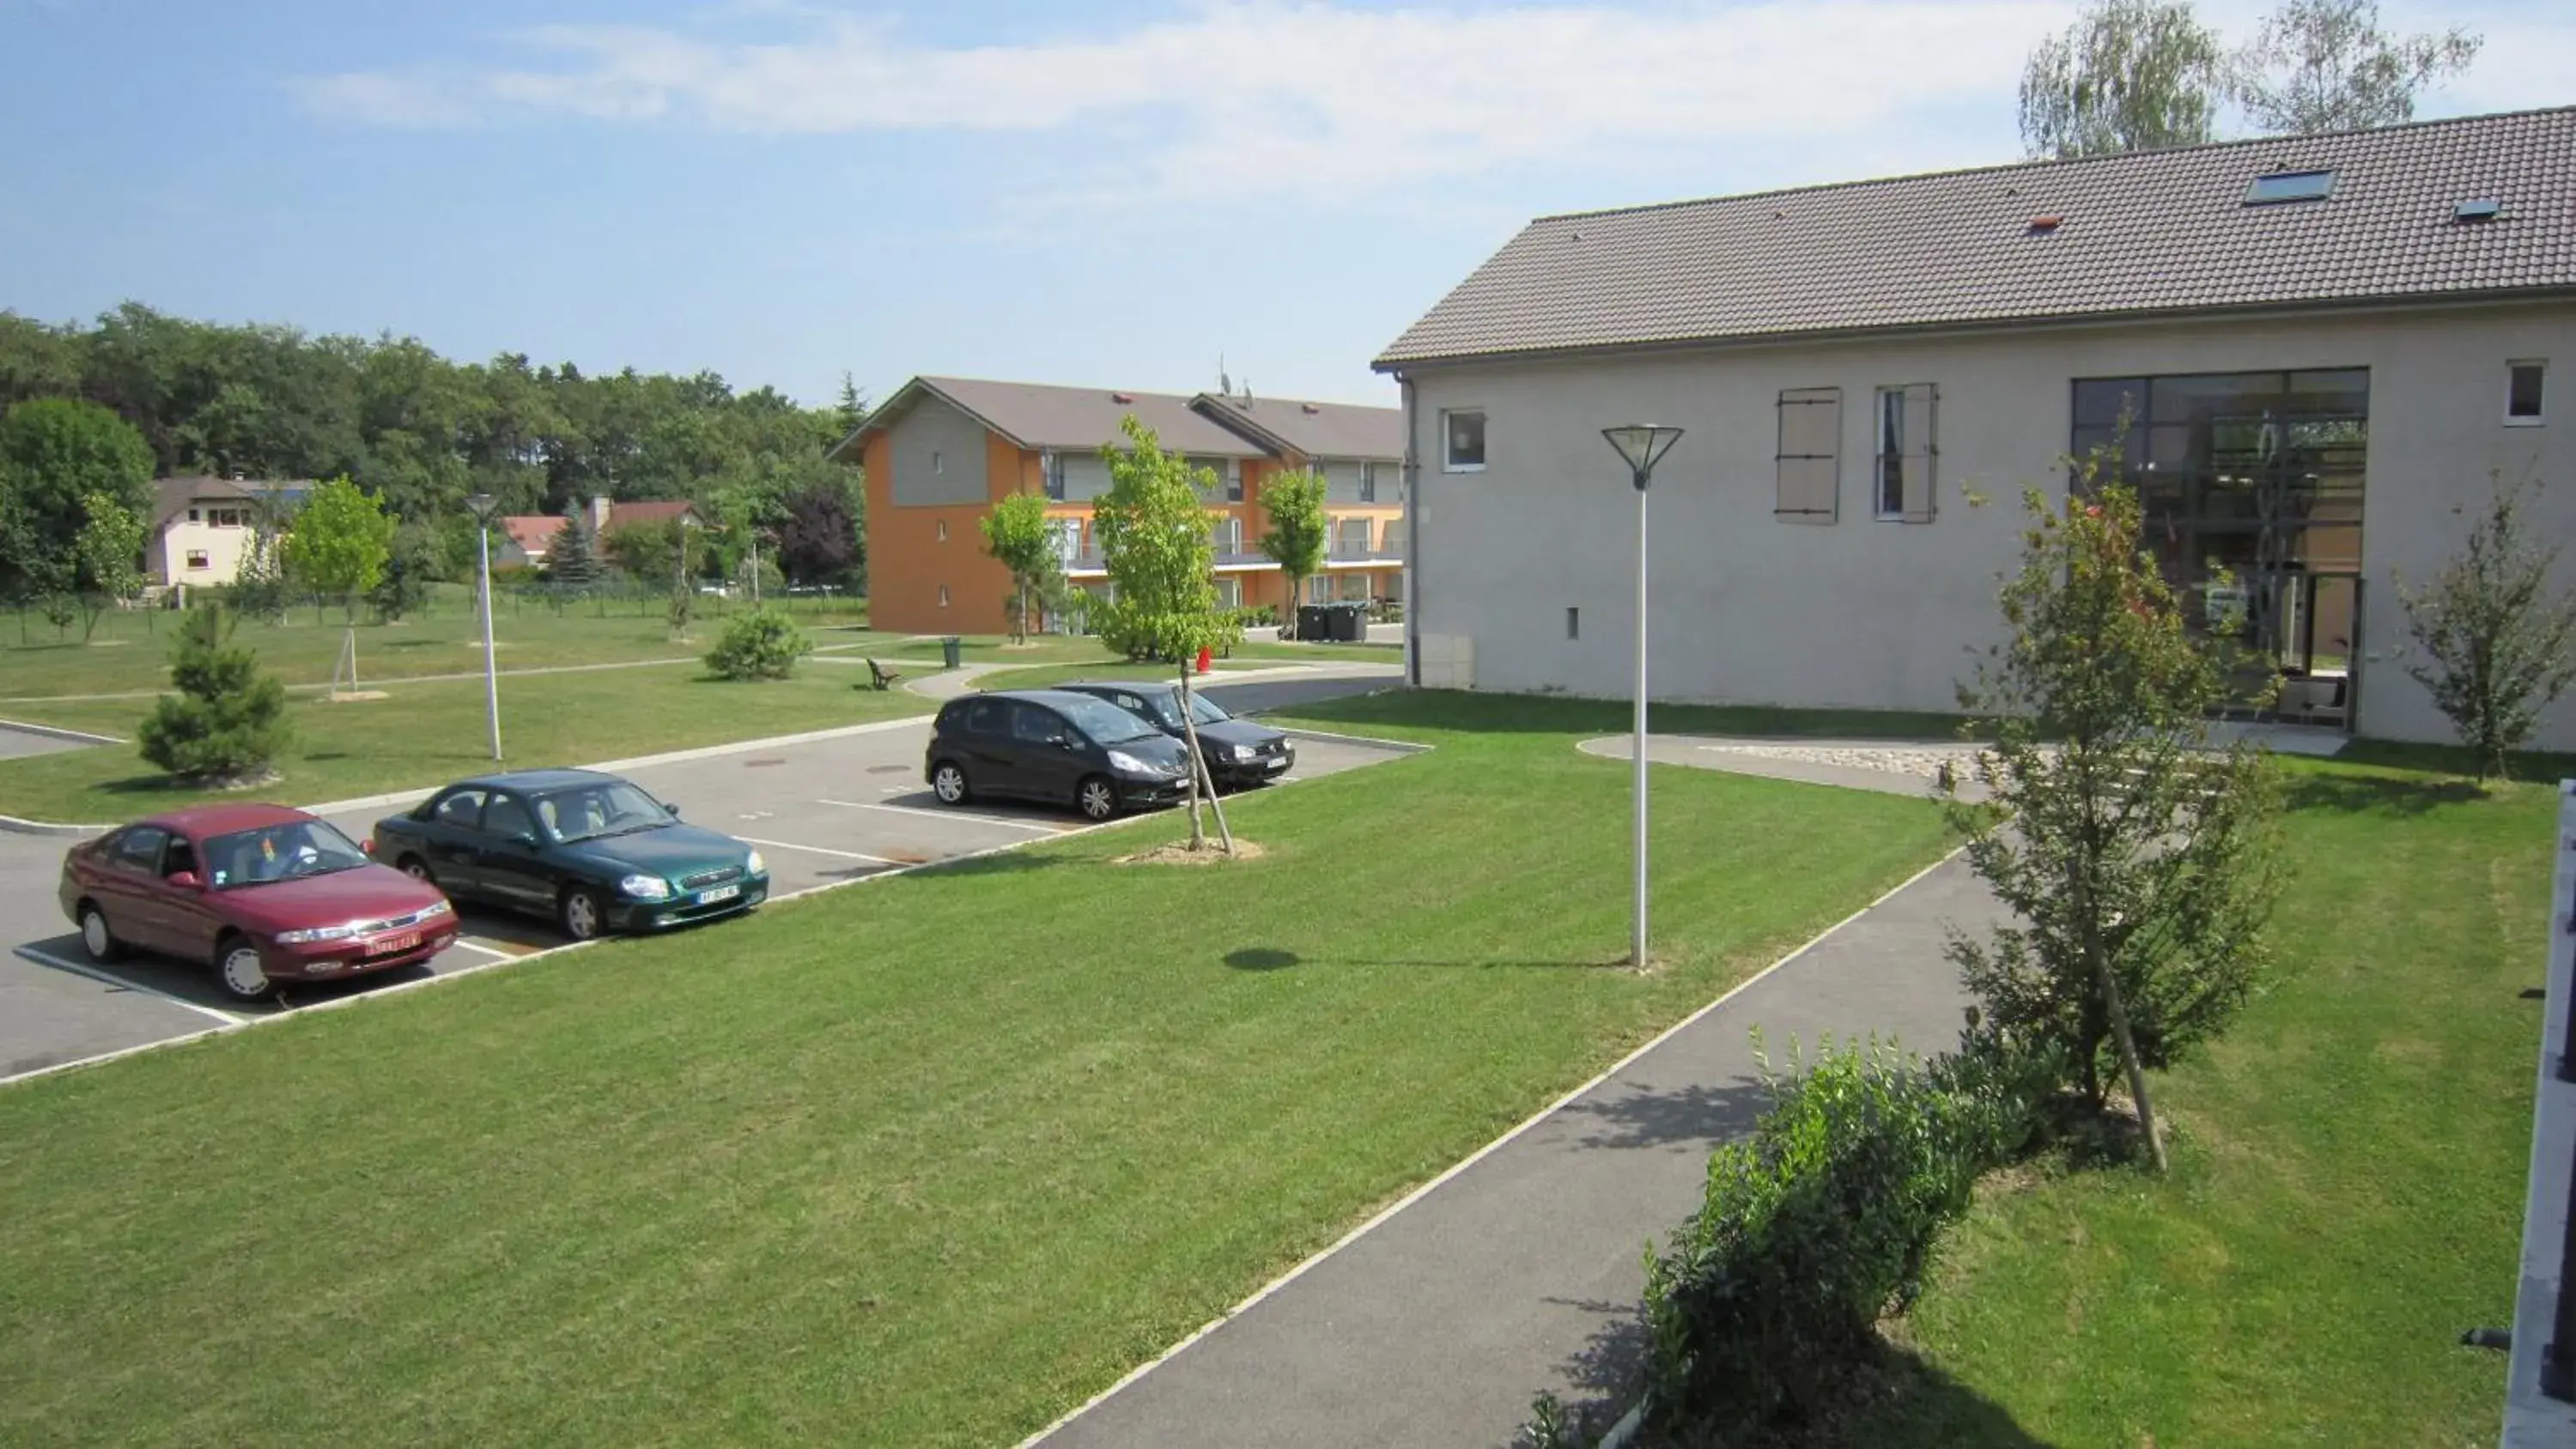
(1821, 1223)
(761, 643)
(228, 720)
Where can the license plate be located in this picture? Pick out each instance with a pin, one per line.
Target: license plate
(387, 945)
(1276, 764)
(720, 893)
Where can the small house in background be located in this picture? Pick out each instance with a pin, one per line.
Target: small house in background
(203, 529)
(522, 540)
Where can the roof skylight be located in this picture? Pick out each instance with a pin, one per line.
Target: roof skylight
(2281, 186)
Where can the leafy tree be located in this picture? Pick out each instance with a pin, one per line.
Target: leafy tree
(110, 553)
(409, 567)
(1153, 527)
(1298, 533)
(1018, 534)
(760, 643)
(28, 569)
(2140, 863)
(2325, 65)
(818, 536)
(58, 452)
(228, 720)
(2497, 647)
(573, 555)
(340, 542)
(2128, 75)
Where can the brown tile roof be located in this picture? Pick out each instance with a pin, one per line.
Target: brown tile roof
(534, 533)
(1038, 415)
(2140, 234)
(631, 515)
(1318, 430)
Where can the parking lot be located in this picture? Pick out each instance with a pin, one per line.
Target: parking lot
(822, 811)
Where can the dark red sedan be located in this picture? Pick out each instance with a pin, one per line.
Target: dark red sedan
(261, 893)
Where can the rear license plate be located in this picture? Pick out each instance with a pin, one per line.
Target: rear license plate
(387, 945)
(720, 893)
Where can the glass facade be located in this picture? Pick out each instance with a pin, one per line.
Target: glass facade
(2255, 477)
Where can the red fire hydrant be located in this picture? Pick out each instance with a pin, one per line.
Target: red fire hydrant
(1207, 659)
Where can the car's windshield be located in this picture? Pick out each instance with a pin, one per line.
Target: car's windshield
(1167, 709)
(1104, 722)
(611, 807)
(278, 852)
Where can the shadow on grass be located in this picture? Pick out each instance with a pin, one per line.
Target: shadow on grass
(1261, 958)
(1556, 714)
(2377, 794)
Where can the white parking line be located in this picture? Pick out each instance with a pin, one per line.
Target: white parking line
(486, 950)
(106, 978)
(946, 815)
(818, 850)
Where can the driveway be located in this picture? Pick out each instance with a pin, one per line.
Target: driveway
(823, 812)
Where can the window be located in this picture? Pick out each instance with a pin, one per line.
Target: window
(197, 559)
(1051, 467)
(938, 462)
(943, 530)
(1368, 482)
(1234, 480)
(2282, 186)
(507, 818)
(460, 811)
(1229, 593)
(1031, 724)
(1573, 622)
(2522, 393)
(181, 856)
(1319, 589)
(984, 717)
(1462, 441)
(1902, 475)
(193, 516)
(140, 848)
(943, 596)
(1809, 461)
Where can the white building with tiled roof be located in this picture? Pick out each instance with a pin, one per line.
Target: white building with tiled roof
(2325, 347)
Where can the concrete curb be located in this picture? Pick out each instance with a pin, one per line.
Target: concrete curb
(57, 732)
(12, 825)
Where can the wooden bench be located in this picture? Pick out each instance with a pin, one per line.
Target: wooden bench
(881, 678)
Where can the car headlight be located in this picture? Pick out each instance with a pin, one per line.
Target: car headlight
(315, 933)
(754, 865)
(1121, 760)
(1246, 752)
(645, 887)
(435, 909)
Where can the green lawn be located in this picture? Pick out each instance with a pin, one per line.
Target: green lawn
(926, 1161)
(131, 651)
(425, 733)
(2348, 1174)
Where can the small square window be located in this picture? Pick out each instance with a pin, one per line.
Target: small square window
(2289, 186)
(197, 559)
(2523, 393)
(193, 516)
(1462, 441)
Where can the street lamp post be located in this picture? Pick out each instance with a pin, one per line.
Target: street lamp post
(1641, 446)
(484, 506)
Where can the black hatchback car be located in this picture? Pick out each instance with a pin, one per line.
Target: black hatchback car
(1050, 744)
(1238, 751)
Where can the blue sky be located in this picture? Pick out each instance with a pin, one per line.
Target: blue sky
(1112, 194)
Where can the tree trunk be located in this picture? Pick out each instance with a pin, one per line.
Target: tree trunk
(1190, 732)
(2119, 1013)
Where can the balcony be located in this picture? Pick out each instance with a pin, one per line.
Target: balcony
(1360, 540)
(1225, 540)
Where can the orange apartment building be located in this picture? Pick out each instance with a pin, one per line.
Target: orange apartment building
(942, 450)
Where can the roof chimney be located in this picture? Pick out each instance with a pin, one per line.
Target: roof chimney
(1122, 398)
(599, 506)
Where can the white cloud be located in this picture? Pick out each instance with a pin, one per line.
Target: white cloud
(1257, 97)
(386, 99)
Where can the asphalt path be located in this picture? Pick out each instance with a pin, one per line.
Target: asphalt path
(821, 811)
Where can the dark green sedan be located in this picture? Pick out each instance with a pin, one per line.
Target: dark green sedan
(593, 851)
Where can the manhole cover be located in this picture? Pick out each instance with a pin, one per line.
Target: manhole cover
(756, 764)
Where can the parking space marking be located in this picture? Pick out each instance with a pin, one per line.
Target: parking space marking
(818, 850)
(110, 978)
(947, 815)
(461, 942)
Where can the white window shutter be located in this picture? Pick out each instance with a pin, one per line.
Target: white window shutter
(1920, 453)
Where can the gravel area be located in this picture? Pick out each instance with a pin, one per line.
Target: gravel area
(1924, 761)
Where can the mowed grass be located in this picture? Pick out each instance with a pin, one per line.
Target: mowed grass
(424, 734)
(2348, 1176)
(925, 1161)
(131, 651)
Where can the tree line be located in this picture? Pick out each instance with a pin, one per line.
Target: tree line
(411, 428)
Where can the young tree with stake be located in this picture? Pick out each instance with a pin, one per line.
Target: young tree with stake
(1297, 536)
(1153, 527)
(1019, 536)
(2139, 862)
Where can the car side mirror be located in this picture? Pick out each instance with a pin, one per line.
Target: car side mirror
(674, 810)
(186, 880)
(525, 837)
(1062, 742)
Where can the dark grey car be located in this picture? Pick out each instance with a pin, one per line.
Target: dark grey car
(1054, 745)
(1238, 751)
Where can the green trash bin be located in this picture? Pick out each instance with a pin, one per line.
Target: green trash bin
(952, 651)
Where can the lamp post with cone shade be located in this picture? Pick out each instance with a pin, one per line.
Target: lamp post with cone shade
(1641, 446)
(485, 508)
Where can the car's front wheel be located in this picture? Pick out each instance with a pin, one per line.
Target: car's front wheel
(240, 972)
(581, 913)
(417, 869)
(99, 941)
(948, 782)
(1097, 797)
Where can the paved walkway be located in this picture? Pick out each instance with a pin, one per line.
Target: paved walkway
(1519, 1271)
